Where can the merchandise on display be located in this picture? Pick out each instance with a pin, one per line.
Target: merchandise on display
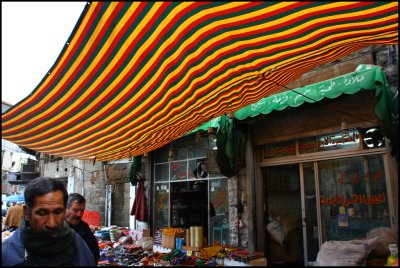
(137, 248)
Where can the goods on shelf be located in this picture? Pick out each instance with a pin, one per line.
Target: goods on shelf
(169, 236)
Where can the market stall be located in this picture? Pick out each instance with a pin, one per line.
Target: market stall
(120, 246)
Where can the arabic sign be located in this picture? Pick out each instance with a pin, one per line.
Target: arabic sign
(117, 173)
(327, 142)
(338, 140)
(355, 199)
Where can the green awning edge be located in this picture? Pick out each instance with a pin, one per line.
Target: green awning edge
(364, 77)
(212, 123)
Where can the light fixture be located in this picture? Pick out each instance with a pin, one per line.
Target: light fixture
(170, 154)
(197, 138)
(57, 174)
(211, 133)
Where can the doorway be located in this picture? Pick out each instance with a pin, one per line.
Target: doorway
(283, 214)
(322, 200)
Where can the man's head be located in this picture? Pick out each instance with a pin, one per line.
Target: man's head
(75, 208)
(45, 202)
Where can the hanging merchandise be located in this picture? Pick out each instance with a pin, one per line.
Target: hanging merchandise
(225, 145)
(139, 205)
(240, 145)
(135, 169)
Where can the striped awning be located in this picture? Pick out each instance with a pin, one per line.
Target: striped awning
(132, 77)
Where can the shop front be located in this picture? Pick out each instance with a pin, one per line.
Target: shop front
(325, 169)
(338, 193)
(315, 171)
(188, 194)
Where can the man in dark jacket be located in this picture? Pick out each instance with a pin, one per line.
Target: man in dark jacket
(44, 238)
(75, 208)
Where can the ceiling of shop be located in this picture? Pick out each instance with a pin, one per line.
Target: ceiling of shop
(132, 77)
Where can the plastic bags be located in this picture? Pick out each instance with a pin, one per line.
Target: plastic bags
(385, 236)
(345, 253)
(276, 232)
(146, 243)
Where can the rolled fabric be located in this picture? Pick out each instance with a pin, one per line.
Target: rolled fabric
(198, 236)
(192, 236)
(187, 237)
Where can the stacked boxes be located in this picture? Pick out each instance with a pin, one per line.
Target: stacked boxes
(169, 236)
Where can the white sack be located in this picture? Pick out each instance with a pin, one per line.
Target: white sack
(344, 253)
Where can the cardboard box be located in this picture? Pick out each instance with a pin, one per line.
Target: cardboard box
(169, 241)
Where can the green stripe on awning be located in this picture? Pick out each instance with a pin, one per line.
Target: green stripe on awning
(365, 77)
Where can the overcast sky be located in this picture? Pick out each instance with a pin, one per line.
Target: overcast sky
(32, 37)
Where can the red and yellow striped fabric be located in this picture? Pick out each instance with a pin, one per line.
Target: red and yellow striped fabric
(133, 76)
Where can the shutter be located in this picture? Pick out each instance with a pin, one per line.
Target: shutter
(311, 119)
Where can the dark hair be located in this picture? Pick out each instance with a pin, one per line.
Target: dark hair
(75, 197)
(41, 186)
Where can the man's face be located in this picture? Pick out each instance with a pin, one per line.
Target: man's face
(74, 214)
(47, 214)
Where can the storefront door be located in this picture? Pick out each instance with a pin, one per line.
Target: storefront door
(352, 196)
(283, 214)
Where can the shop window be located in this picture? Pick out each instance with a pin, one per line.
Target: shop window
(161, 205)
(182, 183)
(180, 150)
(161, 172)
(179, 170)
(353, 196)
(219, 211)
(197, 149)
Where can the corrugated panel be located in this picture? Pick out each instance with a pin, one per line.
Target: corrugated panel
(316, 119)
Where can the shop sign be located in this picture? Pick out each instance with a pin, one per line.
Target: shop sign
(117, 173)
(355, 199)
(339, 140)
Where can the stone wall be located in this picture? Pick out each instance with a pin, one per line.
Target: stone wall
(120, 210)
(88, 180)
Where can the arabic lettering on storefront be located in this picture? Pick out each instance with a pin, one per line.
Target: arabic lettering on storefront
(355, 199)
(337, 139)
(354, 178)
(276, 150)
(332, 141)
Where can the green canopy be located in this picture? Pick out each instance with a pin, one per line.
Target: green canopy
(368, 77)
(212, 123)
